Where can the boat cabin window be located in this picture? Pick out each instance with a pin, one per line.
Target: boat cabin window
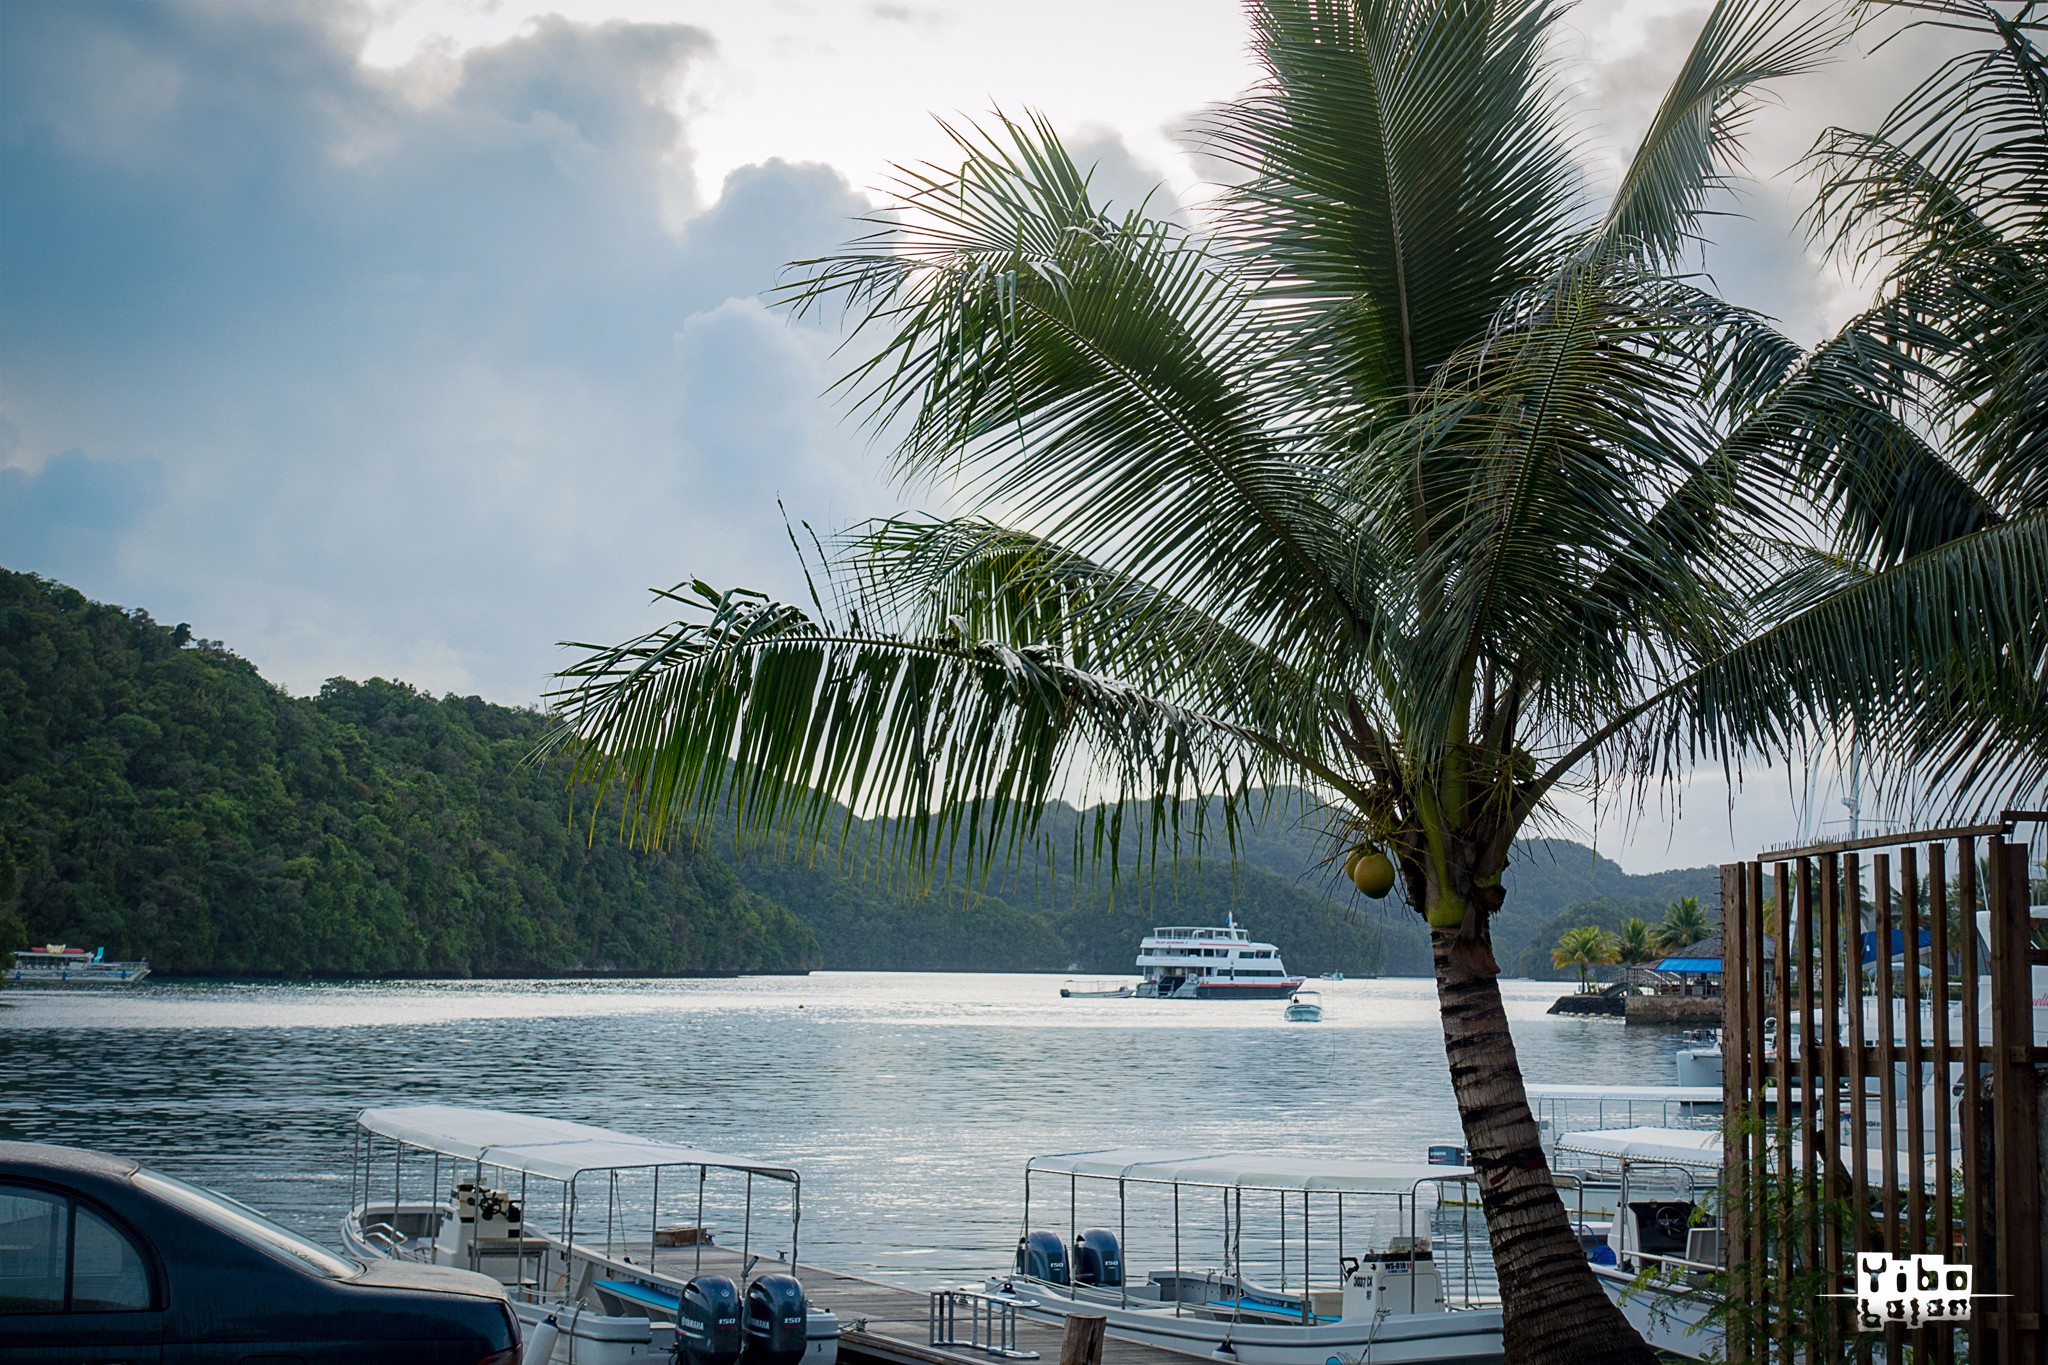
(56, 1256)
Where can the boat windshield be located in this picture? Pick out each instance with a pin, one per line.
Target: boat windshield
(244, 1224)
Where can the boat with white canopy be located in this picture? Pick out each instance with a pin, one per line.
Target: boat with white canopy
(1251, 1257)
(605, 1236)
(1661, 1226)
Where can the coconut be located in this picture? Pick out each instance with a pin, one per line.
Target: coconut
(1351, 859)
(1373, 873)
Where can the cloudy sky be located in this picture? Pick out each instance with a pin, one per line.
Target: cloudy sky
(413, 337)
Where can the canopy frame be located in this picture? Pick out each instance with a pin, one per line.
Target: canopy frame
(563, 1153)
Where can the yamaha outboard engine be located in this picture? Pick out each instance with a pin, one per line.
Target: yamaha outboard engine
(775, 1324)
(1042, 1256)
(708, 1322)
(1098, 1259)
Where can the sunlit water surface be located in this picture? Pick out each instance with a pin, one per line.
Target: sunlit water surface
(908, 1101)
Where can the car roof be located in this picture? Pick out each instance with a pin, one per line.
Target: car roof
(43, 1158)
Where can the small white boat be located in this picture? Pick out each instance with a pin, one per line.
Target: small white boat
(573, 1221)
(1305, 1008)
(1386, 1302)
(54, 964)
(1097, 990)
(1699, 1061)
(1333, 976)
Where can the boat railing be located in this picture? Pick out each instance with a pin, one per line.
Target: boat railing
(585, 1218)
(1478, 1284)
(386, 1236)
(991, 1322)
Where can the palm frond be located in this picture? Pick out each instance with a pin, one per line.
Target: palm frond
(1682, 159)
(1096, 379)
(750, 709)
(1938, 664)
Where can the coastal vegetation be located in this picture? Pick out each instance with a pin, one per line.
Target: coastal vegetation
(1414, 475)
(160, 799)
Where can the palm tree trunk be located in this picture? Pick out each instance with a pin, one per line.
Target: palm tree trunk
(1554, 1309)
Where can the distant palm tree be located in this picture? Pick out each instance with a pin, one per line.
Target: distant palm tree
(1415, 476)
(1634, 946)
(1585, 947)
(1683, 925)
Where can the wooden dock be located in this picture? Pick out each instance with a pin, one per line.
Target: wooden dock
(886, 1324)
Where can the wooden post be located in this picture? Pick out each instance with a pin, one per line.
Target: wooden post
(1735, 1101)
(1082, 1344)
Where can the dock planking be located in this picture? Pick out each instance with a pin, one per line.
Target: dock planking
(891, 1324)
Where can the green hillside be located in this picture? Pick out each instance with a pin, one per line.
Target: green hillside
(158, 797)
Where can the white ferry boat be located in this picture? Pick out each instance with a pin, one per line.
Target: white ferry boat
(1185, 962)
(54, 964)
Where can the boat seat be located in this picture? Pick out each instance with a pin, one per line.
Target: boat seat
(645, 1295)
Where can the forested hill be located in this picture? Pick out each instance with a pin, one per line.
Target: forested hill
(158, 797)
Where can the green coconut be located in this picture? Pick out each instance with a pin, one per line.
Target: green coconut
(1373, 873)
(1351, 859)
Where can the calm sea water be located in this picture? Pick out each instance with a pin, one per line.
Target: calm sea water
(909, 1101)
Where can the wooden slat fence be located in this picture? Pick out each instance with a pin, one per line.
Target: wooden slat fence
(1886, 1090)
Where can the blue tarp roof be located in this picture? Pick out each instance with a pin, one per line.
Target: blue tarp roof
(1689, 964)
(1898, 943)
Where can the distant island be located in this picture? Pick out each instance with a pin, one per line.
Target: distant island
(160, 798)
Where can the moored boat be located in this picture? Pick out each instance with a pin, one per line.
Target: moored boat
(572, 1220)
(1198, 962)
(1097, 990)
(1329, 1278)
(55, 964)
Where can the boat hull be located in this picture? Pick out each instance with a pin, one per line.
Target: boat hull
(1229, 990)
(1669, 1321)
(88, 974)
(1467, 1337)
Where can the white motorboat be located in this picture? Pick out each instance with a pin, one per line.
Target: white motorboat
(1562, 1110)
(1097, 990)
(1305, 1008)
(54, 964)
(1322, 1281)
(572, 1219)
(1333, 976)
(1194, 962)
(1699, 1061)
(1660, 1176)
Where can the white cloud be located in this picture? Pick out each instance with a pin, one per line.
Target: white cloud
(426, 384)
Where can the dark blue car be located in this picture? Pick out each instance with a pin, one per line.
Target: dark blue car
(104, 1260)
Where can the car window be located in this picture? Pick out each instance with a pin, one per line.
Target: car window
(107, 1273)
(34, 1240)
(244, 1224)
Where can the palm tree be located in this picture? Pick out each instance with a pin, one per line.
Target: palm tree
(1585, 947)
(1634, 946)
(1683, 925)
(1415, 477)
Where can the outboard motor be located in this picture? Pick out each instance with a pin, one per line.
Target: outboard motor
(1042, 1256)
(1098, 1259)
(775, 1326)
(708, 1322)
